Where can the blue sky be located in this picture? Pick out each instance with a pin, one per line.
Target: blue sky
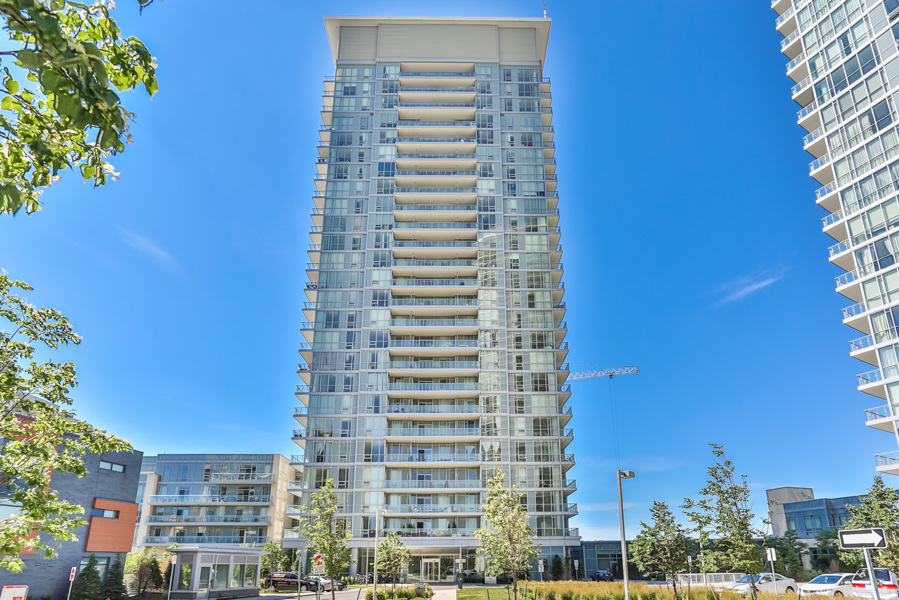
(693, 246)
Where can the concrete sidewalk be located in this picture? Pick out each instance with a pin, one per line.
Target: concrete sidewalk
(444, 593)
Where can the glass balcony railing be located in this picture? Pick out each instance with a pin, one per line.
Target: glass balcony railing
(832, 218)
(417, 458)
(819, 163)
(781, 19)
(432, 344)
(795, 62)
(789, 39)
(846, 278)
(466, 301)
(877, 413)
(430, 282)
(433, 323)
(434, 431)
(207, 519)
(412, 123)
(454, 386)
(466, 74)
(435, 508)
(853, 311)
(166, 540)
(861, 343)
(457, 155)
(887, 459)
(807, 110)
(423, 262)
(437, 140)
(435, 190)
(838, 248)
(825, 190)
(869, 377)
(209, 499)
(815, 135)
(433, 244)
(427, 409)
(430, 533)
(469, 89)
(412, 484)
(436, 173)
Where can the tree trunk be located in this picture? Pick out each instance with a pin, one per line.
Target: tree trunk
(515, 586)
(333, 579)
(674, 585)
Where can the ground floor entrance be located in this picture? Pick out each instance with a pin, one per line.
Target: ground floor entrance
(431, 565)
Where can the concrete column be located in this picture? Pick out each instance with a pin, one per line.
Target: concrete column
(354, 566)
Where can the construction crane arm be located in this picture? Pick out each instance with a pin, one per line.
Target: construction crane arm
(610, 372)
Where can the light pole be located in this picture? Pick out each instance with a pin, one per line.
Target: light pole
(623, 475)
(378, 513)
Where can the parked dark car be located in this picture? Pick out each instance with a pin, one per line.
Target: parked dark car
(602, 576)
(286, 581)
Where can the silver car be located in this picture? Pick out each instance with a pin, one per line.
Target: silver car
(887, 585)
(832, 584)
(770, 583)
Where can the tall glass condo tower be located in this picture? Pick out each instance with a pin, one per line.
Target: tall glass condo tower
(843, 60)
(435, 342)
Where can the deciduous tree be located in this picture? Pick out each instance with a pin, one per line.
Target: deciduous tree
(271, 559)
(724, 507)
(392, 557)
(877, 509)
(790, 550)
(328, 535)
(662, 547)
(41, 433)
(507, 539)
(61, 73)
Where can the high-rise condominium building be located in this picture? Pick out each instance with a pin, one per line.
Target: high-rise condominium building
(843, 59)
(436, 348)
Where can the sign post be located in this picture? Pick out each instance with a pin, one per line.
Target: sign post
(576, 564)
(867, 540)
(540, 568)
(173, 562)
(71, 579)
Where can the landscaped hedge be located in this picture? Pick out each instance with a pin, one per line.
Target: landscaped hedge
(403, 592)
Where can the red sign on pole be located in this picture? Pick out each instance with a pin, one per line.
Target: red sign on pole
(72, 574)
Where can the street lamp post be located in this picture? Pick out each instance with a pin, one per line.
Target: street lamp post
(378, 513)
(623, 475)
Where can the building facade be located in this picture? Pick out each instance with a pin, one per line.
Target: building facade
(237, 499)
(107, 495)
(842, 58)
(435, 347)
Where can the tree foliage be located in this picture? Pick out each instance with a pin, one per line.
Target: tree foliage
(42, 435)
(790, 550)
(328, 535)
(62, 70)
(88, 585)
(393, 556)
(146, 567)
(724, 510)
(827, 557)
(114, 584)
(877, 509)
(271, 558)
(662, 547)
(507, 539)
(557, 568)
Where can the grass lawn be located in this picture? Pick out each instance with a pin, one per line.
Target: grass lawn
(480, 593)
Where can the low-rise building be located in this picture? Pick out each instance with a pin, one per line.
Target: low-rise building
(238, 499)
(107, 494)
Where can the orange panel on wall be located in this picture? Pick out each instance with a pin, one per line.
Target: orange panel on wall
(112, 535)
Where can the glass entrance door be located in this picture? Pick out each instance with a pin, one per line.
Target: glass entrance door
(430, 569)
(203, 589)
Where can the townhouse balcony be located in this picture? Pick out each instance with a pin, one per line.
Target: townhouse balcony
(880, 418)
(167, 540)
(888, 462)
(855, 316)
(210, 499)
(207, 519)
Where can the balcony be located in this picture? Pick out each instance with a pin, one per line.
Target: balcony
(394, 457)
(238, 477)
(205, 499)
(416, 325)
(431, 389)
(167, 540)
(435, 409)
(207, 519)
(888, 462)
(808, 116)
(433, 484)
(432, 344)
(434, 432)
(430, 533)
(435, 302)
(435, 508)
(872, 382)
(855, 316)
(863, 349)
(880, 418)
(786, 23)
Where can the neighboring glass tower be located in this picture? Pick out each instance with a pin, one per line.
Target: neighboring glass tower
(435, 337)
(842, 57)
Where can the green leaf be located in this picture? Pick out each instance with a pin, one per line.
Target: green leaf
(6, 103)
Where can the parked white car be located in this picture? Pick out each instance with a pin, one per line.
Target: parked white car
(832, 584)
(771, 583)
(887, 585)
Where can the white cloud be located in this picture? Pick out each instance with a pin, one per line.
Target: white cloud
(744, 286)
(144, 245)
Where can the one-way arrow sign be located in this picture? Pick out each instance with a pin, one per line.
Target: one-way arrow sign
(857, 539)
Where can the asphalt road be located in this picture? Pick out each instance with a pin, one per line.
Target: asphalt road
(347, 594)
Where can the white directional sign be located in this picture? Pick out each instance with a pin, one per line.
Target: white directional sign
(856, 539)
(540, 565)
(316, 570)
(771, 553)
